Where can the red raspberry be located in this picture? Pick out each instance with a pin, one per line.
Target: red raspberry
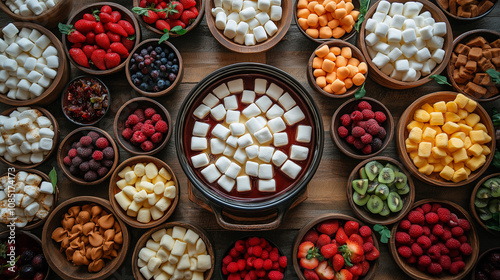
(444, 215)
(380, 117)
(416, 217)
(137, 127)
(149, 112)
(127, 133)
(457, 267)
(260, 273)
(453, 220)
(411, 259)
(466, 249)
(274, 256)
(232, 267)
(356, 116)
(323, 240)
(252, 241)
(433, 238)
(367, 114)
(434, 252)
(358, 144)
(140, 113)
(427, 230)
(367, 149)
(234, 276)
(416, 250)
(264, 255)
(240, 246)
(366, 139)
(161, 126)
(444, 250)
(446, 235)
(445, 262)
(464, 224)
(258, 263)
(345, 119)
(72, 153)
(148, 129)
(156, 137)
(367, 247)
(138, 138)
(234, 253)
(419, 210)
(431, 218)
(283, 261)
(268, 264)
(438, 230)
(364, 105)
(67, 160)
(350, 139)
(226, 260)
(102, 143)
(132, 120)
(435, 207)
(365, 231)
(276, 266)
(156, 117)
(405, 251)
(97, 155)
(424, 261)
(462, 239)
(424, 242)
(275, 275)
(457, 231)
(426, 207)
(343, 132)
(434, 268)
(86, 140)
(404, 225)
(454, 253)
(373, 128)
(357, 131)
(452, 243)
(241, 264)
(148, 122)
(257, 251)
(147, 146)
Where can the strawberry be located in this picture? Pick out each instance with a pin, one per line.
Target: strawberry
(88, 16)
(150, 18)
(366, 267)
(162, 25)
(356, 269)
(194, 10)
(128, 43)
(188, 17)
(309, 263)
(115, 28)
(99, 28)
(351, 227)
(324, 270)
(354, 248)
(98, 58)
(113, 37)
(188, 3)
(341, 237)
(373, 254)
(88, 50)
(310, 275)
(90, 38)
(356, 238)
(85, 26)
(105, 18)
(102, 40)
(304, 248)
(329, 250)
(74, 36)
(116, 16)
(79, 46)
(338, 262)
(120, 49)
(311, 235)
(328, 227)
(106, 9)
(127, 26)
(112, 60)
(79, 57)
(143, 3)
(344, 274)
(175, 10)
(352, 252)
(174, 23)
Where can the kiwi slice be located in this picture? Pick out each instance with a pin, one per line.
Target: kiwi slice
(483, 193)
(360, 185)
(394, 202)
(404, 190)
(360, 199)
(386, 176)
(372, 187)
(385, 210)
(392, 166)
(485, 214)
(362, 173)
(481, 202)
(494, 185)
(400, 179)
(372, 169)
(375, 204)
(382, 191)
(494, 205)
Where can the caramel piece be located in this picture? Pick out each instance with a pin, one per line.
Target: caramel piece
(493, 90)
(108, 245)
(59, 234)
(106, 222)
(87, 228)
(64, 243)
(72, 236)
(95, 239)
(496, 61)
(482, 79)
(479, 41)
(463, 13)
(474, 11)
(118, 238)
(452, 5)
(96, 253)
(457, 77)
(474, 90)
(76, 228)
(471, 66)
(87, 207)
(485, 64)
(461, 60)
(462, 49)
(495, 51)
(83, 217)
(85, 239)
(95, 211)
(109, 235)
(495, 44)
(117, 227)
(69, 253)
(443, 3)
(464, 73)
(96, 265)
(484, 6)
(114, 253)
(68, 223)
(487, 53)
(73, 211)
(88, 252)
(453, 58)
(464, 2)
(475, 54)
(75, 243)
(79, 258)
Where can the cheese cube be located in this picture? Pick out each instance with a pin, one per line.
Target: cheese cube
(471, 106)
(429, 134)
(450, 127)
(472, 119)
(424, 149)
(460, 155)
(441, 140)
(426, 169)
(436, 118)
(475, 150)
(455, 144)
(459, 175)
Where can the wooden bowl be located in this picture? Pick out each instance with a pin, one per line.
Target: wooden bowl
(60, 80)
(472, 238)
(199, 6)
(128, 108)
(347, 108)
(450, 15)
(480, 260)
(113, 189)
(49, 18)
(402, 134)
(346, 37)
(66, 146)
(473, 207)
(35, 224)
(89, 8)
(20, 236)
(356, 53)
(370, 218)
(336, 216)
(154, 43)
(283, 25)
(490, 36)
(64, 97)
(20, 165)
(146, 236)
(378, 76)
(57, 260)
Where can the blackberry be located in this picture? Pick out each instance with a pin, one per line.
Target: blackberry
(84, 152)
(102, 171)
(107, 163)
(90, 176)
(74, 170)
(94, 135)
(76, 161)
(376, 144)
(84, 166)
(94, 165)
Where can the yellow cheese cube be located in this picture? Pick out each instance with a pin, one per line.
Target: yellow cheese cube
(427, 169)
(410, 146)
(414, 124)
(442, 140)
(419, 161)
(447, 173)
(447, 160)
(429, 134)
(471, 106)
(421, 116)
(438, 167)
(458, 165)
(476, 162)
(451, 117)
(440, 106)
(462, 114)
(437, 128)
(475, 150)
(487, 138)
(461, 100)
(460, 155)
(451, 107)
(468, 171)
(459, 134)
(450, 127)
(481, 126)
(465, 128)
(472, 119)
(455, 144)
(437, 118)
(467, 142)
(415, 135)
(477, 136)
(424, 149)
(459, 175)
(438, 152)
(433, 160)
(486, 150)
(428, 108)
(414, 154)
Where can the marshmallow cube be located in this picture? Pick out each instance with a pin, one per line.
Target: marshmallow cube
(411, 9)
(252, 168)
(263, 5)
(36, 51)
(294, 116)
(49, 73)
(237, 5)
(270, 28)
(409, 35)
(232, 116)
(229, 151)
(220, 21)
(220, 132)
(264, 103)
(262, 17)
(416, 65)
(267, 185)
(247, 97)
(287, 101)
(10, 64)
(438, 55)
(46, 133)
(10, 30)
(410, 75)
(394, 35)
(381, 29)
(12, 82)
(247, 13)
(439, 29)
(222, 164)
(232, 141)
(218, 112)
(3, 45)
(235, 86)
(276, 125)
(387, 69)
(43, 42)
(423, 55)
(383, 7)
(263, 135)
(230, 30)
(251, 110)
(260, 86)
(266, 171)
(252, 151)
(266, 153)
(242, 28)
(408, 50)
(210, 100)
(371, 39)
(245, 141)
(280, 139)
(30, 63)
(200, 129)
(211, 173)
(243, 184)
(253, 23)
(25, 44)
(200, 160)
(274, 91)
(298, 152)
(240, 155)
(378, 17)
(22, 74)
(276, 13)
(230, 102)
(380, 60)
(382, 47)
(428, 67)
(426, 32)
(260, 34)
(402, 65)
(201, 111)
(23, 84)
(253, 125)
(233, 170)
(237, 129)
(291, 169)
(371, 24)
(398, 21)
(436, 42)
(198, 143)
(275, 112)
(429, 21)
(43, 121)
(394, 54)
(4, 75)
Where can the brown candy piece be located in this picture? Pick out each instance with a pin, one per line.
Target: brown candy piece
(118, 238)
(68, 222)
(117, 227)
(96, 265)
(69, 253)
(59, 234)
(109, 234)
(95, 239)
(73, 211)
(95, 210)
(87, 228)
(106, 222)
(83, 217)
(87, 207)
(76, 228)
(79, 258)
(96, 253)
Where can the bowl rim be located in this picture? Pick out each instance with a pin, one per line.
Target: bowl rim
(173, 86)
(60, 71)
(473, 206)
(408, 163)
(490, 250)
(15, 17)
(118, 136)
(115, 6)
(455, 17)
(132, 221)
(63, 144)
(330, 216)
(63, 97)
(346, 37)
(259, 47)
(147, 235)
(472, 233)
(340, 142)
(335, 43)
(55, 139)
(367, 217)
(46, 236)
(450, 67)
(389, 82)
(267, 204)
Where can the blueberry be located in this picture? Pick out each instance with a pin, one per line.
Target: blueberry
(163, 55)
(139, 75)
(169, 68)
(172, 77)
(132, 60)
(134, 76)
(158, 49)
(144, 52)
(147, 78)
(163, 60)
(171, 56)
(139, 59)
(157, 63)
(175, 61)
(135, 55)
(160, 83)
(144, 70)
(150, 48)
(143, 86)
(141, 65)
(154, 74)
(133, 67)
(167, 83)
(137, 82)
(170, 63)
(163, 68)
(175, 69)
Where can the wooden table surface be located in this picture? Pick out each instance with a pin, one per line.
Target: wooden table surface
(202, 54)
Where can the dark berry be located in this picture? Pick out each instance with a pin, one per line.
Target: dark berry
(172, 77)
(76, 161)
(39, 262)
(102, 171)
(108, 153)
(107, 163)
(171, 56)
(27, 271)
(94, 165)
(94, 135)
(27, 256)
(90, 176)
(158, 49)
(84, 167)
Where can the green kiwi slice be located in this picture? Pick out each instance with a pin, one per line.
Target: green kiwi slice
(404, 190)
(394, 202)
(382, 191)
(483, 193)
(485, 214)
(375, 204)
(392, 166)
(372, 169)
(386, 176)
(494, 185)
(360, 199)
(400, 179)
(385, 210)
(481, 202)
(360, 185)
(494, 205)
(362, 173)
(372, 187)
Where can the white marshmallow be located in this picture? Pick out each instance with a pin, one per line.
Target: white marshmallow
(4, 75)
(239, 39)
(387, 20)
(411, 9)
(409, 35)
(397, 75)
(242, 28)
(240, 155)
(426, 32)
(274, 112)
(243, 184)
(429, 21)
(291, 169)
(387, 69)
(251, 110)
(380, 60)
(274, 91)
(266, 171)
(232, 117)
(235, 86)
(261, 120)
(12, 82)
(230, 102)
(43, 121)
(25, 147)
(211, 173)
(229, 151)
(383, 7)
(201, 111)
(247, 13)
(218, 112)
(200, 160)
(36, 51)
(21, 73)
(263, 135)
(237, 129)
(402, 65)
(198, 143)
(3, 45)
(222, 164)
(10, 64)
(253, 125)
(230, 30)
(210, 100)
(49, 73)
(236, 5)
(234, 16)
(260, 34)
(46, 187)
(416, 65)
(252, 24)
(247, 97)
(370, 26)
(46, 133)
(280, 139)
(252, 151)
(260, 86)
(409, 76)
(252, 169)
(428, 67)
(200, 129)
(438, 55)
(299, 152)
(394, 35)
(381, 29)
(23, 94)
(398, 21)
(233, 170)
(423, 55)
(436, 42)
(382, 47)
(10, 30)
(42, 42)
(267, 185)
(408, 50)
(220, 20)
(30, 63)
(220, 132)
(23, 84)
(394, 54)
(264, 103)
(294, 116)
(276, 13)
(266, 153)
(232, 141)
(439, 28)
(245, 141)
(378, 17)
(304, 134)
(270, 28)
(287, 101)
(396, 9)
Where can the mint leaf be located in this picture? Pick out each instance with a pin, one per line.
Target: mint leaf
(364, 5)
(360, 93)
(178, 30)
(494, 75)
(65, 28)
(442, 80)
(384, 232)
(378, 227)
(131, 37)
(164, 37)
(53, 178)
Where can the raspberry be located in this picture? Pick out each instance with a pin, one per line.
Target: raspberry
(446, 235)
(161, 126)
(138, 138)
(343, 132)
(427, 230)
(364, 105)
(147, 146)
(380, 117)
(149, 112)
(466, 249)
(367, 149)
(434, 252)
(148, 130)
(462, 239)
(67, 160)
(404, 225)
(457, 231)
(253, 241)
(419, 210)
(367, 247)
(411, 259)
(367, 114)
(438, 230)
(97, 155)
(376, 144)
(373, 128)
(357, 131)
(156, 117)
(365, 231)
(350, 139)
(140, 114)
(416, 250)
(345, 119)
(323, 240)
(454, 253)
(366, 139)
(457, 267)
(358, 144)
(276, 266)
(132, 120)
(424, 242)
(241, 264)
(275, 275)
(426, 207)
(148, 122)
(127, 133)
(258, 263)
(434, 268)
(102, 171)
(226, 260)
(257, 251)
(90, 176)
(72, 153)
(444, 215)
(356, 116)
(433, 238)
(137, 127)
(233, 253)
(424, 261)
(445, 262)
(85, 140)
(94, 135)
(416, 217)
(453, 220)
(156, 137)
(108, 153)
(101, 143)
(464, 224)
(268, 264)
(452, 243)
(232, 267)
(274, 256)
(283, 261)
(404, 251)
(435, 207)
(361, 124)
(444, 250)
(431, 218)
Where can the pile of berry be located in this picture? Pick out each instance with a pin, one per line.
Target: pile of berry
(333, 250)
(154, 69)
(254, 258)
(145, 128)
(91, 157)
(102, 37)
(434, 239)
(363, 128)
(29, 264)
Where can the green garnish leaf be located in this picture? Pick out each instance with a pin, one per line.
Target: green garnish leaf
(141, 11)
(360, 93)
(442, 80)
(53, 177)
(178, 30)
(131, 37)
(364, 5)
(164, 37)
(65, 28)
(494, 75)
(384, 232)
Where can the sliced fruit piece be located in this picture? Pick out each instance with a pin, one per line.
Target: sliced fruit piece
(394, 202)
(382, 191)
(372, 187)
(481, 202)
(400, 179)
(385, 210)
(375, 204)
(386, 176)
(494, 205)
(362, 173)
(485, 214)
(494, 185)
(483, 193)
(360, 185)
(404, 190)
(392, 166)
(372, 169)
(325, 271)
(360, 199)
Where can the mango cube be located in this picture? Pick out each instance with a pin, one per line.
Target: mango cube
(476, 162)
(419, 161)
(477, 136)
(447, 173)
(467, 142)
(480, 126)
(440, 106)
(459, 175)
(465, 128)
(437, 128)
(451, 107)
(462, 114)
(442, 140)
(451, 117)
(459, 134)
(429, 134)
(460, 155)
(458, 165)
(487, 138)
(475, 150)
(424, 149)
(436, 118)
(438, 152)
(414, 124)
(461, 100)
(472, 119)
(455, 144)
(415, 135)
(438, 167)
(410, 146)
(486, 150)
(414, 154)
(468, 171)
(433, 160)
(427, 169)
(450, 127)
(471, 106)
(446, 160)
(428, 108)
(422, 115)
